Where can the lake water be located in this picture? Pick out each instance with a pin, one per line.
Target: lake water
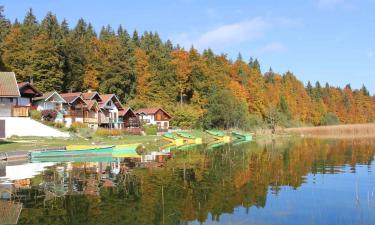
(281, 182)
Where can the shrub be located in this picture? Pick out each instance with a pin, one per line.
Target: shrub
(35, 114)
(330, 119)
(186, 117)
(49, 115)
(59, 125)
(77, 125)
(108, 132)
(151, 129)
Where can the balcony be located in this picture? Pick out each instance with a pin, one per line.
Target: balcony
(90, 120)
(21, 111)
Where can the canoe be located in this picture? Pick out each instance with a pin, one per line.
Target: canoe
(75, 159)
(218, 135)
(85, 147)
(215, 144)
(190, 138)
(187, 147)
(173, 139)
(73, 153)
(126, 151)
(246, 137)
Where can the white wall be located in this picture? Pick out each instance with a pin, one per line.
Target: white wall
(22, 126)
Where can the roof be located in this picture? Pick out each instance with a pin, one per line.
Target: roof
(8, 85)
(71, 97)
(124, 111)
(151, 111)
(24, 84)
(48, 95)
(89, 95)
(107, 97)
(90, 103)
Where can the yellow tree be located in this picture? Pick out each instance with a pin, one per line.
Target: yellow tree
(180, 61)
(143, 74)
(90, 78)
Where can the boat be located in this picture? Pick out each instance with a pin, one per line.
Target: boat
(74, 159)
(112, 151)
(215, 144)
(173, 139)
(190, 138)
(218, 135)
(126, 151)
(85, 147)
(245, 137)
(187, 146)
(73, 153)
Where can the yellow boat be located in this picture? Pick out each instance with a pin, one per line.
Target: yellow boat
(86, 147)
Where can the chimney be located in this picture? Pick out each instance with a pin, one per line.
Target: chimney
(31, 80)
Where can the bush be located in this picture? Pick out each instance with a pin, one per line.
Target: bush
(186, 117)
(35, 115)
(49, 115)
(151, 129)
(59, 125)
(77, 125)
(330, 119)
(104, 132)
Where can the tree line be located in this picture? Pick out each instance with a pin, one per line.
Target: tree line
(199, 89)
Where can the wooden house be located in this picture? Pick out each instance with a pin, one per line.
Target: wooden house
(154, 116)
(25, 102)
(128, 118)
(73, 108)
(9, 94)
(109, 111)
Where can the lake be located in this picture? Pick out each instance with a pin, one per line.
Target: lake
(302, 181)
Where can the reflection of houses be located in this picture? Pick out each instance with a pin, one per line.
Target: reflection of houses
(154, 116)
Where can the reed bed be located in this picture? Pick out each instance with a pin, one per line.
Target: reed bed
(337, 131)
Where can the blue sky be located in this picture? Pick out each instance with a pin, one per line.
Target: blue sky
(327, 40)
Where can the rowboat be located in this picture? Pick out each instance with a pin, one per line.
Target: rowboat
(75, 159)
(73, 153)
(84, 151)
(85, 147)
(173, 139)
(126, 151)
(215, 144)
(218, 135)
(190, 138)
(187, 147)
(245, 137)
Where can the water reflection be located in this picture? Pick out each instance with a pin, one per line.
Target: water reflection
(282, 182)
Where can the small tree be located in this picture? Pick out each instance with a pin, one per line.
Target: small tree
(330, 119)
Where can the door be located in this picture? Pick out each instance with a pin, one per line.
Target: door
(2, 128)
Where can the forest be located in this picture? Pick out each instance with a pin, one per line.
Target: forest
(200, 89)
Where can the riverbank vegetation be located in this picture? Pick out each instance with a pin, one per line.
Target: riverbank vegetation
(200, 89)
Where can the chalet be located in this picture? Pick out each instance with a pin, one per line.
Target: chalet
(91, 113)
(49, 101)
(9, 94)
(73, 108)
(109, 113)
(154, 116)
(25, 102)
(128, 118)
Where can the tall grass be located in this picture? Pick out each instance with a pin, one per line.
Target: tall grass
(336, 131)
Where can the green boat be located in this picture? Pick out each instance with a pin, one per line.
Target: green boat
(173, 139)
(187, 147)
(246, 137)
(73, 153)
(75, 159)
(215, 144)
(190, 138)
(126, 151)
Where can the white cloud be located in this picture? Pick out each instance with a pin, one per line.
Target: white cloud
(370, 54)
(225, 35)
(274, 47)
(329, 3)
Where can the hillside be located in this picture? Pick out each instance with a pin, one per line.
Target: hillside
(200, 89)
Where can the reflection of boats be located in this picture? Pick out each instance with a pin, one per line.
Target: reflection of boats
(218, 135)
(84, 151)
(190, 138)
(173, 139)
(215, 144)
(245, 137)
(239, 142)
(187, 147)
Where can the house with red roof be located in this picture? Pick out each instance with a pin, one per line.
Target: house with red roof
(73, 108)
(110, 106)
(154, 116)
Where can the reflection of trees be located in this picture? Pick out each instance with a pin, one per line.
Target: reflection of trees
(198, 183)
